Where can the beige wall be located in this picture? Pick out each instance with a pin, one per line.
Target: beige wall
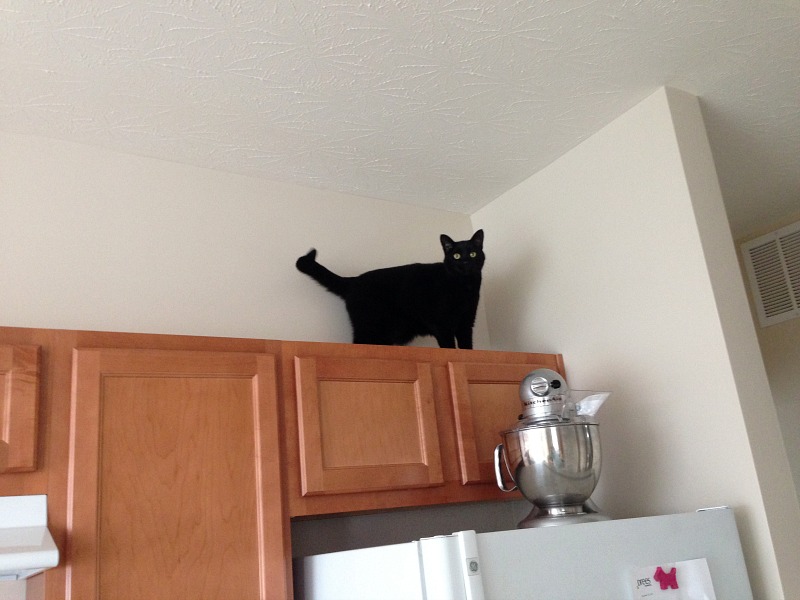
(780, 348)
(615, 255)
(91, 239)
(752, 384)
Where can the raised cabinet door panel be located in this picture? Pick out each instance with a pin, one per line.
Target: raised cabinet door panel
(19, 407)
(485, 403)
(365, 424)
(174, 483)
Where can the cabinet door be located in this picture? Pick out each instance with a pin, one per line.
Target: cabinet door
(366, 425)
(174, 484)
(19, 407)
(485, 403)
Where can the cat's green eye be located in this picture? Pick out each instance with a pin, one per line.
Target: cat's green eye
(456, 256)
(473, 254)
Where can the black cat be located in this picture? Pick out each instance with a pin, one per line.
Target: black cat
(392, 306)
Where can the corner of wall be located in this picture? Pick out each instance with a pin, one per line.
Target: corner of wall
(772, 467)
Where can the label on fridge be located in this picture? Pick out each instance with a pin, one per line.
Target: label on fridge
(684, 580)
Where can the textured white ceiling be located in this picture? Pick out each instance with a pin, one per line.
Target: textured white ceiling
(441, 103)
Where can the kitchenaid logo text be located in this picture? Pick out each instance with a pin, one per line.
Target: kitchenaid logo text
(540, 401)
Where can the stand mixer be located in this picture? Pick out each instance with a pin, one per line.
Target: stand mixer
(553, 453)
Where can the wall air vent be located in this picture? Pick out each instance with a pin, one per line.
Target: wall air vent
(772, 262)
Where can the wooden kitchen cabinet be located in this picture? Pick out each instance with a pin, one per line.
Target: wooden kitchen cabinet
(372, 427)
(486, 402)
(174, 487)
(19, 407)
(173, 464)
(366, 424)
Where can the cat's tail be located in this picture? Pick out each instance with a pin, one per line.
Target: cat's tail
(328, 279)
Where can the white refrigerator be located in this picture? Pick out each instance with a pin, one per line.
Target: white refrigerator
(690, 556)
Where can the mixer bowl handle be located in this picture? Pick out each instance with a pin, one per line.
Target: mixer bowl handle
(499, 450)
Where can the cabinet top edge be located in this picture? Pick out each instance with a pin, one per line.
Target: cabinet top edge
(81, 338)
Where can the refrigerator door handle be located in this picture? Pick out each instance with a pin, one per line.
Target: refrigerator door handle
(470, 565)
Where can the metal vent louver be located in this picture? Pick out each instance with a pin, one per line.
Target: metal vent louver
(772, 262)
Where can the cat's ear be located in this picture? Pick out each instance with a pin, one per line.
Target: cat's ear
(477, 237)
(447, 243)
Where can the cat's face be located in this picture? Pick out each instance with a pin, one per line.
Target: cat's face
(466, 257)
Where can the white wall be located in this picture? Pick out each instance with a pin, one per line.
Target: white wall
(601, 257)
(746, 362)
(91, 239)
(780, 348)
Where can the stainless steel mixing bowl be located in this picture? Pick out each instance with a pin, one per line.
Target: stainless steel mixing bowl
(556, 465)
